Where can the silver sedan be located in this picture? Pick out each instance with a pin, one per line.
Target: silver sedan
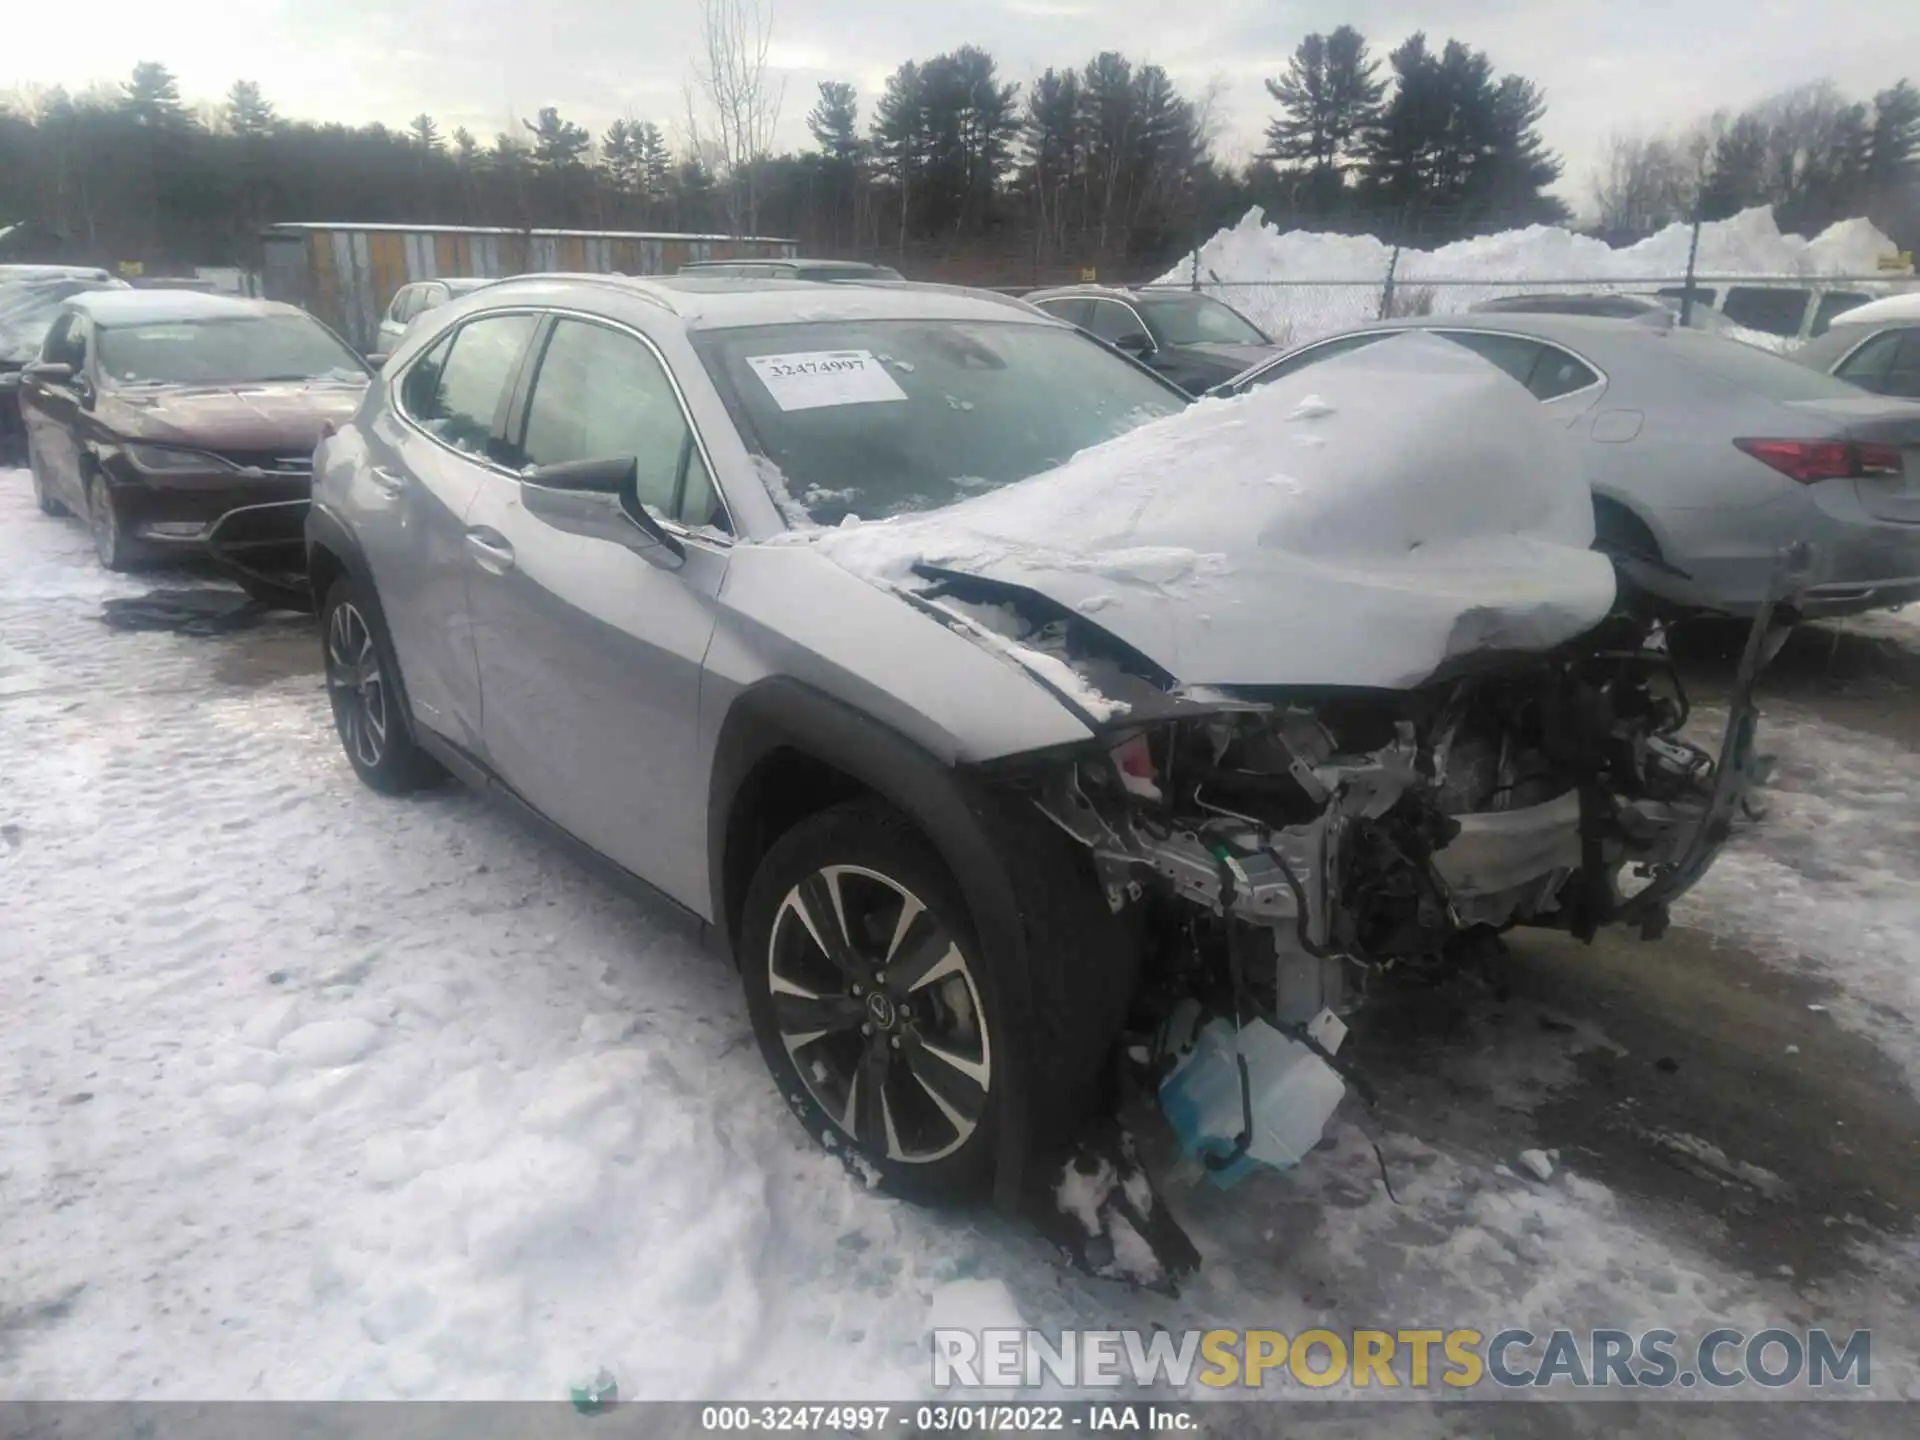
(1706, 457)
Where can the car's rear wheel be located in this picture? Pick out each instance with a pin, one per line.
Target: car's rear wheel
(368, 713)
(873, 1003)
(42, 496)
(114, 548)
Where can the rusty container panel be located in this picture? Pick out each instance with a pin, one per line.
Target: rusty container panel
(420, 256)
(387, 252)
(323, 278)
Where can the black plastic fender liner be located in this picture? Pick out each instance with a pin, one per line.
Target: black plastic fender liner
(994, 849)
(264, 548)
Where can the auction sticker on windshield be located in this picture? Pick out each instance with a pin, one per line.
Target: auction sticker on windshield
(811, 379)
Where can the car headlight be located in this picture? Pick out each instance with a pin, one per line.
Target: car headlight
(159, 460)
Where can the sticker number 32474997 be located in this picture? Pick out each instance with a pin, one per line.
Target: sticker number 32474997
(811, 379)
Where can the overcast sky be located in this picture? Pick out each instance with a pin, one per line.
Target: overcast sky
(1607, 65)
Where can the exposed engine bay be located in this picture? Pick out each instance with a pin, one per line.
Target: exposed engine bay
(1282, 849)
(1365, 830)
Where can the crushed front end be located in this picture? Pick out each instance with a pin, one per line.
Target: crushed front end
(1283, 849)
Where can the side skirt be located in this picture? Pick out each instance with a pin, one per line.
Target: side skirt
(475, 775)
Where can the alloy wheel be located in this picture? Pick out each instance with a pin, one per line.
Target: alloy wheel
(355, 686)
(880, 1011)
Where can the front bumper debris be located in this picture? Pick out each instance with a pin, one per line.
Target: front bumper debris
(264, 548)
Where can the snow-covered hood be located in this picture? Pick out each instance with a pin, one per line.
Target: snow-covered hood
(1363, 523)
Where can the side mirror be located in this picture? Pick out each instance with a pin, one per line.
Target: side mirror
(1136, 342)
(600, 499)
(378, 359)
(50, 372)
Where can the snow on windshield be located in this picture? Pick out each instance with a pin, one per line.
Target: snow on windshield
(1405, 503)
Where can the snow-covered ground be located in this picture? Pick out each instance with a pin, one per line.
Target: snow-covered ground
(307, 1093)
(1300, 284)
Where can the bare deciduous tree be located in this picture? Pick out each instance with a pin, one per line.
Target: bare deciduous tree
(743, 100)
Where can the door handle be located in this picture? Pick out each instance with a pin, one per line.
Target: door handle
(390, 482)
(490, 551)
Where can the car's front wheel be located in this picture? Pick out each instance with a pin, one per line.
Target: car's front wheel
(872, 1001)
(365, 698)
(112, 545)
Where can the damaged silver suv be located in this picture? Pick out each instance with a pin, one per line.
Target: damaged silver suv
(987, 701)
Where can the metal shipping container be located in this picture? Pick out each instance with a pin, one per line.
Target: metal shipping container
(348, 274)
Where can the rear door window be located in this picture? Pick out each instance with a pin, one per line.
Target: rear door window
(456, 389)
(1766, 309)
(1074, 312)
(1111, 320)
(401, 310)
(1558, 373)
(1511, 353)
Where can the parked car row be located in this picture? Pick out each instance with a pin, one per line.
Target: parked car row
(1104, 727)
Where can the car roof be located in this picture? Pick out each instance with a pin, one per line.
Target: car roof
(710, 302)
(1062, 292)
(1894, 308)
(108, 308)
(52, 272)
(772, 263)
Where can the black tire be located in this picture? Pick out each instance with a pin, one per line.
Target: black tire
(112, 546)
(1062, 1047)
(369, 713)
(42, 496)
(863, 839)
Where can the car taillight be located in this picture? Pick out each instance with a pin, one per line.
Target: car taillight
(1810, 461)
(1880, 460)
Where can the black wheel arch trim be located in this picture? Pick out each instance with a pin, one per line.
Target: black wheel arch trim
(949, 806)
(326, 531)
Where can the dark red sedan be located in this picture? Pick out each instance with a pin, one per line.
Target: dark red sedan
(153, 413)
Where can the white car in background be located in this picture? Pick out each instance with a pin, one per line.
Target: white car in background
(412, 301)
(1876, 347)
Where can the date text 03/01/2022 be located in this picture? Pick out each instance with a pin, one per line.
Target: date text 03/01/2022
(942, 1418)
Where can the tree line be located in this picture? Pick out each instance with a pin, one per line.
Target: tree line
(1107, 162)
(1812, 153)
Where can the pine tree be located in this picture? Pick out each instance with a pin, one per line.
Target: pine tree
(1736, 174)
(834, 121)
(247, 112)
(153, 98)
(557, 144)
(1330, 101)
(426, 134)
(656, 165)
(900, 136)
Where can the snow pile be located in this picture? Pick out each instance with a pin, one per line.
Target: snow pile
(1242, 264)
(1407, 504)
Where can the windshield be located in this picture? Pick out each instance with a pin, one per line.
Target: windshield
(887, 417)
(239, 351)
(1197, 320)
